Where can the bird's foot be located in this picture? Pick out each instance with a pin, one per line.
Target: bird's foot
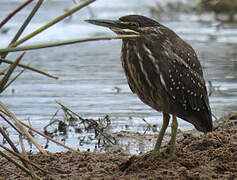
(140, 161)
(153, 154)
(171, 157)
(148, 159)
(169, 154)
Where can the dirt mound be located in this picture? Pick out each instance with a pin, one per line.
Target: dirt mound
(208, 156)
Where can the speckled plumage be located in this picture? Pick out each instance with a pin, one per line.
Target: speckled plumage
(164, 71)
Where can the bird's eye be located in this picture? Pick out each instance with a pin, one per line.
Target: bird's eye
(134, 24)
(131, 24)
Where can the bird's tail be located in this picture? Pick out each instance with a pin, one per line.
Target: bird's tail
(202, 120)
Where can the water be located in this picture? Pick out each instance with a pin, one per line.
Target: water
(92, 82)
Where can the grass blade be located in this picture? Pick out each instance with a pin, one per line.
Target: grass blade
(4, 80)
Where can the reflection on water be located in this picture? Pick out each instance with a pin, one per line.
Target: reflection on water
(92, 82)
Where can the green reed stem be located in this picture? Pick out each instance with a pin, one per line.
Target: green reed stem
(67, 42)
(56, 20)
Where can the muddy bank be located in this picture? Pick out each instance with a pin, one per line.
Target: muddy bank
(209, 156)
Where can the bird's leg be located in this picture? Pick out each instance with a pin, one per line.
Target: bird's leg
(166, 119)
(156, 151)
(174, 127)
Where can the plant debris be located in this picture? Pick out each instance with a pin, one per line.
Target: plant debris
(205, 156)
(88, 129)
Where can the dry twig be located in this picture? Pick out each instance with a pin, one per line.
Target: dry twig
(24, 159)
(17, 164)
(91, 124)
(18, 122)
(47, 137)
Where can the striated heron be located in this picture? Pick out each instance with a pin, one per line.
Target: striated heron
(165, 73)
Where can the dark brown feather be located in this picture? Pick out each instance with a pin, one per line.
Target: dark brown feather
(166, 76)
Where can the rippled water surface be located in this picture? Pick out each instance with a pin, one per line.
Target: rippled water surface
(92, 82)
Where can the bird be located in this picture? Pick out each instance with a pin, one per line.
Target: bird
(164, 72)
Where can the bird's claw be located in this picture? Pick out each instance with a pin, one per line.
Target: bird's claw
(153, 154)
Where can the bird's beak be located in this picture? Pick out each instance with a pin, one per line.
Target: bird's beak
(115, 25)
(106, 23)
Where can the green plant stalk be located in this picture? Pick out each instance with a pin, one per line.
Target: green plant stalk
(56, 20)
(27, 21)
(4, 21)
(60, 43)
(12, 80)
(4, 80)
(30, 68)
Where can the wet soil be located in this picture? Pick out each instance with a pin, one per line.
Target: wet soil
(203, 156)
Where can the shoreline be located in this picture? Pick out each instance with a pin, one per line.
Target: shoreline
(205, 156)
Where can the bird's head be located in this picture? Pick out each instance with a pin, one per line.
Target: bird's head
(131, 24)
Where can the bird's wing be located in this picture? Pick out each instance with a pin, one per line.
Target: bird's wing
(186, 52)
(183, 84)
(182, 49)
